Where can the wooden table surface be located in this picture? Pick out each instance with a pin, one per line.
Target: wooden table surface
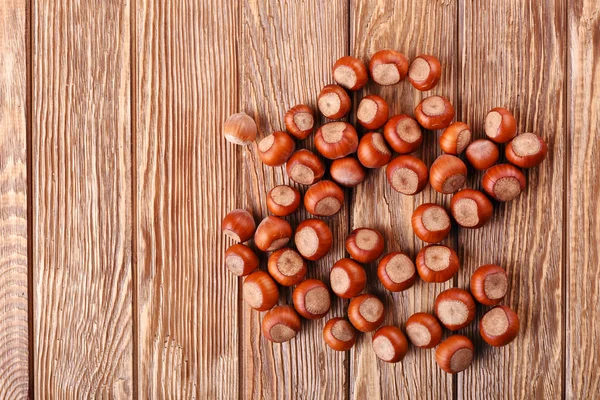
(114, 178)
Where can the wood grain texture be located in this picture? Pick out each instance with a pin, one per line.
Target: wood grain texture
(512, 55)
(186, 181)
(287, 52)
(14, 331)
(82, 199)
(413, 28)
(583, 273)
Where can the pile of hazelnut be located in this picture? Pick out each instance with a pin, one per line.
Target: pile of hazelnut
(454, 308)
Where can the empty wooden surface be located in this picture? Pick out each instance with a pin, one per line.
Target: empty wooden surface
(186, 178)
(81, 189)
(14, 294)
(114, 178)
(582, 280)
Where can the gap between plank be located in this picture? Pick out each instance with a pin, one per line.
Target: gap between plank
(565, 216)
(458, 105)
(134, 205)
(238, 154)
(347, 355)
(29, 155)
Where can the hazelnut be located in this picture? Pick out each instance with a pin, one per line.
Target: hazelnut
(424, 72)
(299, 121)
(388, 67)
(403, 134)
(350, 73)
(240, 129)
(407, 174)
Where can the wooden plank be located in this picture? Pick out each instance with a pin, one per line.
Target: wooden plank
(287, 51)
(186, 181)
(14, 318)
(82, 199)
(413, 28)
(513, 56)
(583, 271)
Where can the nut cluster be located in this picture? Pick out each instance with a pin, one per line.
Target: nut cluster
(351, 157)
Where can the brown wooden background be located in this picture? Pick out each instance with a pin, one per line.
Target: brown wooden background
(114, 179)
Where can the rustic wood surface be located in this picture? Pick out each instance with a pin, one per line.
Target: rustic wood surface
(114, 178)
(81, 199)
(286, 58)
(14, 295)
(582, 214)
(377, 25)
(526, 235)
(185, 181)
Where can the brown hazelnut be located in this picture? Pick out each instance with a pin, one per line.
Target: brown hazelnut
(334, 102)
(339, 334)
(275, 149)
(390, 344)
(437, 263)
(260, 291)
(283, 200)
(240, 260)
(324, 199)
(403, 134)
(482, 154)
(424, 72)
(347, 171)
(272, 233)
(434, 112)
(372, 112)
(431, 223)
(299, 121)
(447, 174)
(350, 73)
(304, 167)
(455, 354)
(397, 272)
(373, 152)
(388, 67)
(527, 150)
(336, 140)
(407, 174)
(503, 182)
(313, 239)
(366, 312)
(455, 138)
(348, 278)
(423, 330)
(471, 208)
(489, 284)
(500, 125)
(499, 326)
(287, 267)
(280, 324)
(364, 244)
(311, 299)
(238, 225)
(454, 308)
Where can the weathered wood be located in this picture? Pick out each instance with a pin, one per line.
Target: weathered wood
(82, 199)
(14, 339)
(287, 51)
(582, 380)
(512, 55)
(413, 28)
(186, 181)
(130, 180)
